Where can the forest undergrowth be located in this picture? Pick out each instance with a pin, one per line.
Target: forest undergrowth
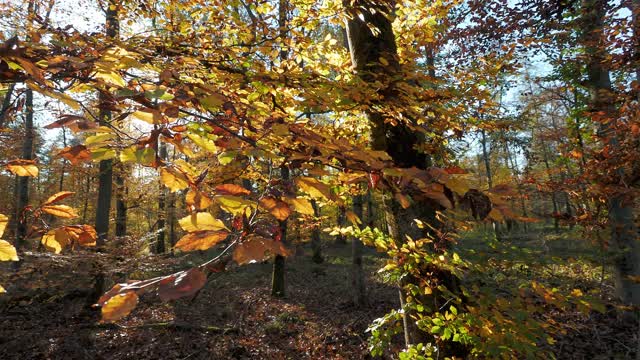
(44, 314)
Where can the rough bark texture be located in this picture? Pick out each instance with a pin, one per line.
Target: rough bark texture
(623, 228)
(6, 104)
(400, 140)
(105, 177)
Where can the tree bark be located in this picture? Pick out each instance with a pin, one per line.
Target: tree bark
(621, 220)
(162, 196)
(357, 274)
(105, 177)
(121, 202)
(316, 245)
(6, 103)
(277, 278)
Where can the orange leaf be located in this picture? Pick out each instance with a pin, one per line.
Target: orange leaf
(58, 197)
(231, 189)
(403, 200)
(353, 218)
(278, 208)
(22, 167)
(201, 240)
(75, 154)
(197, 200)
(173, 179)
(119, 306)
(257, 249)
(62, 211)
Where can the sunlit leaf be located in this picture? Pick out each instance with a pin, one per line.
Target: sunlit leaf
(278, 208)
(353, 218)
(231, 189)
(201, 240)
(173, 179)
(75, 154)
(22, 167)
(7, 252)
(234, 204)
(62, 211)
(314, 188)
(201, 221)
(197, 200)
(119, 306)
(301, 205)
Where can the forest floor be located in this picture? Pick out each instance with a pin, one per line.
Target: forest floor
(44, 316)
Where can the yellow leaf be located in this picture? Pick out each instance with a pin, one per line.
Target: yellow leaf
(231, 189)
(200, 240)
(7, 252)
(314, 188)
(2, 290)
(458, 184)
(153, 118)
(203, 142)
(55, 240)
(119, 306)
(173, 179)
(4, 220)
(234, 204)
(23, 167)
(201, 221)
(301, 205)
(63, 211)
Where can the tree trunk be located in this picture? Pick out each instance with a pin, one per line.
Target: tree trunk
(316, 245)
(623, 228)
(342, 221)
(105, 177)
(162, 196)
(367, 47)
(6, 103)
(121, 202)
(277, 278)
(23, 181)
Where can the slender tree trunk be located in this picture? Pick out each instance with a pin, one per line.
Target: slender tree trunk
(23, 181)
(342, 221)
(316, 245)
(554, 200)
(621, 220)
(162, 196)
(105, 177)
(121, 202)
(487, 167)
(277, 278)
(357, 274)
(87, 188)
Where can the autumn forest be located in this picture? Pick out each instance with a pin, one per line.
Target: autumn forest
(319, 179)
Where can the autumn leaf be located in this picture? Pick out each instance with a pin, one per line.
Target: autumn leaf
(183, 284)
(231, 189)
(63, 211)
(173, 179)
(458, 184)
(119, 306)
(197, 200)
(314, 188)
(256, 249)
(234, 204)
(84, 235)
(55, 240)
(2, 290)
(7, 252)
(495, 215)
(22, 167)
(75, 154)
(278, 208)
(201, 221)
(301, 205)
(59, 196)
(4, 220)
(201, 240)
(435, 191)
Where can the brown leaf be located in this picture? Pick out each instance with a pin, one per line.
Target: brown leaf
(201, 240)
(403, 200)
(119, 306)
(182, 284)
(197, 200)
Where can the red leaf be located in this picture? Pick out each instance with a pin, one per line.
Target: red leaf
(185, 283)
